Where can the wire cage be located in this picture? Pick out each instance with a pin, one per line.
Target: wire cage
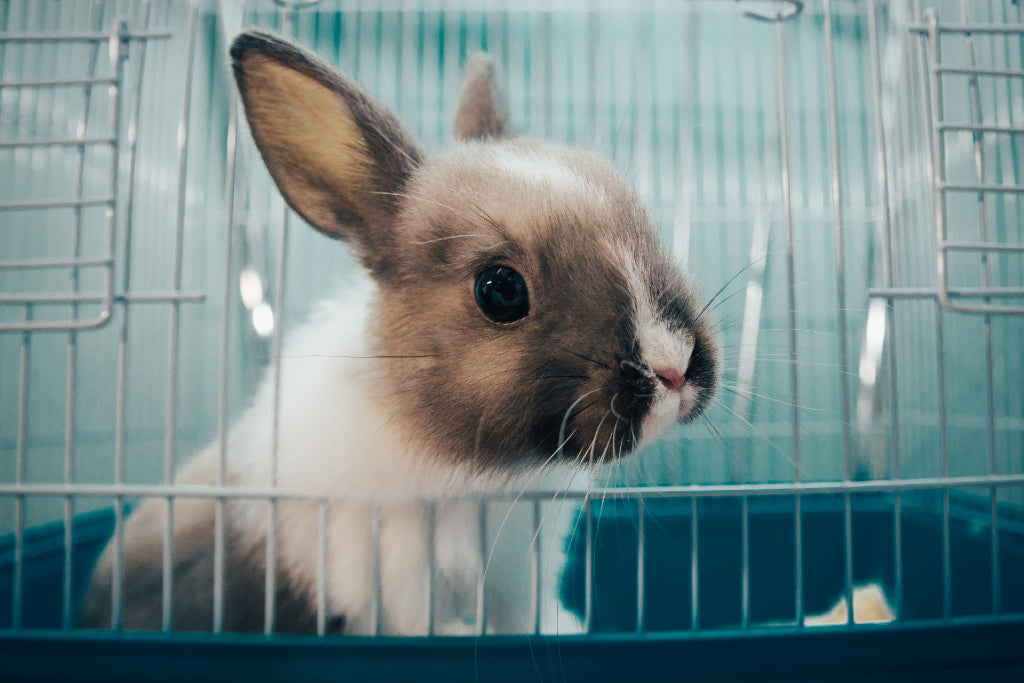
(849, 173)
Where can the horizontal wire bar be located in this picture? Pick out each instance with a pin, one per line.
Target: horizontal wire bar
(990, 29)
(631, 493)
(134, 297)
(931, 293)
(980, 71)
(56, 263)
(101, 319)
(384, 642)
(979, 128)
(980, 246)
(64, 142)
(59, 82)
(57, 204)
(82, 37)
(981, 187)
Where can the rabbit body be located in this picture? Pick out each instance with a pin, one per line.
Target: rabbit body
(520, 321)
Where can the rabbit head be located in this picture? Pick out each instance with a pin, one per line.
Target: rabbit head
(524, 311)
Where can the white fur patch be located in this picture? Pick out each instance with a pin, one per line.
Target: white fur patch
(546, 172)
(662, 349)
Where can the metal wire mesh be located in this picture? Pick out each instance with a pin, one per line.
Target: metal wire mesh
(855, 168)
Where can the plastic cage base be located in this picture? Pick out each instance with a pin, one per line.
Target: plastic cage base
(971, 645)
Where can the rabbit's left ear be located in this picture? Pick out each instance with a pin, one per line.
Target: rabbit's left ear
(480, 113)
(340, 159)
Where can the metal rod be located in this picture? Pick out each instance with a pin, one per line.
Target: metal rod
(885, 226)
(979, 127)
(641, 542)
(897, 541)
(57, 263)
(535, 568)
(81, 37)
(848, 557)
(430, 520)
(167, 614)
(981, 71)
(58, 142)
(694, 567)
(321, 569)
(962, 292)
(277, 346)
(481, 595)
(837, 204)
(976, 29)
(178, 250)
(71, 374)
(979, 187)
(117, 570)
(376, 599)
(19, 474)
(787, 201)
(220, 527)
(69, 543)
(983, 245)
(270, 573)
(179, 490)
(56, 204)
(219, 569)
(588, 570)
(798, 559)
(745, 563)
(947, 559)
(979, 167)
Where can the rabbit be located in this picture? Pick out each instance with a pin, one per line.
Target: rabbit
(517, 325)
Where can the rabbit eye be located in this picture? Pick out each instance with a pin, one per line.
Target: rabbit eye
(501, 294)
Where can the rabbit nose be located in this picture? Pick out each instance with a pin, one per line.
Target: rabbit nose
(670, 377)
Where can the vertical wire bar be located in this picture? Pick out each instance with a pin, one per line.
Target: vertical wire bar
(848, 555)
(173, 328)
(481, 594)
(837, 201)
(219, 530)
(888, 280)
(694, 568)
(745, 558)
(179, 236)
(431, 524)
(19, 471)
(270, 578)
(117, 570)
(641, 543)
(377, 607)
(321, 568)
(938, 208)
(72, 347)
(278, 343)
(588, 584)
(120, 418)
(167, 614)
(798, 559)
(535, 569)
(973, 91)
(270, 571)
(69, 540)
(787, 201)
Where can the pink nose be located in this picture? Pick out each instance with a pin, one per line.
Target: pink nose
(671, 378)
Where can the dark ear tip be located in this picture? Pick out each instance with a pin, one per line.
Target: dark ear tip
(256, 40)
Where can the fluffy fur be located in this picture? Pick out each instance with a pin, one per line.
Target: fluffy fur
(400, 398)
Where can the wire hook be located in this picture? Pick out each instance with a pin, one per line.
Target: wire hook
(795, 8)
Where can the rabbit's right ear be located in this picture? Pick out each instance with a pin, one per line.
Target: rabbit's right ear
(339, 158)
